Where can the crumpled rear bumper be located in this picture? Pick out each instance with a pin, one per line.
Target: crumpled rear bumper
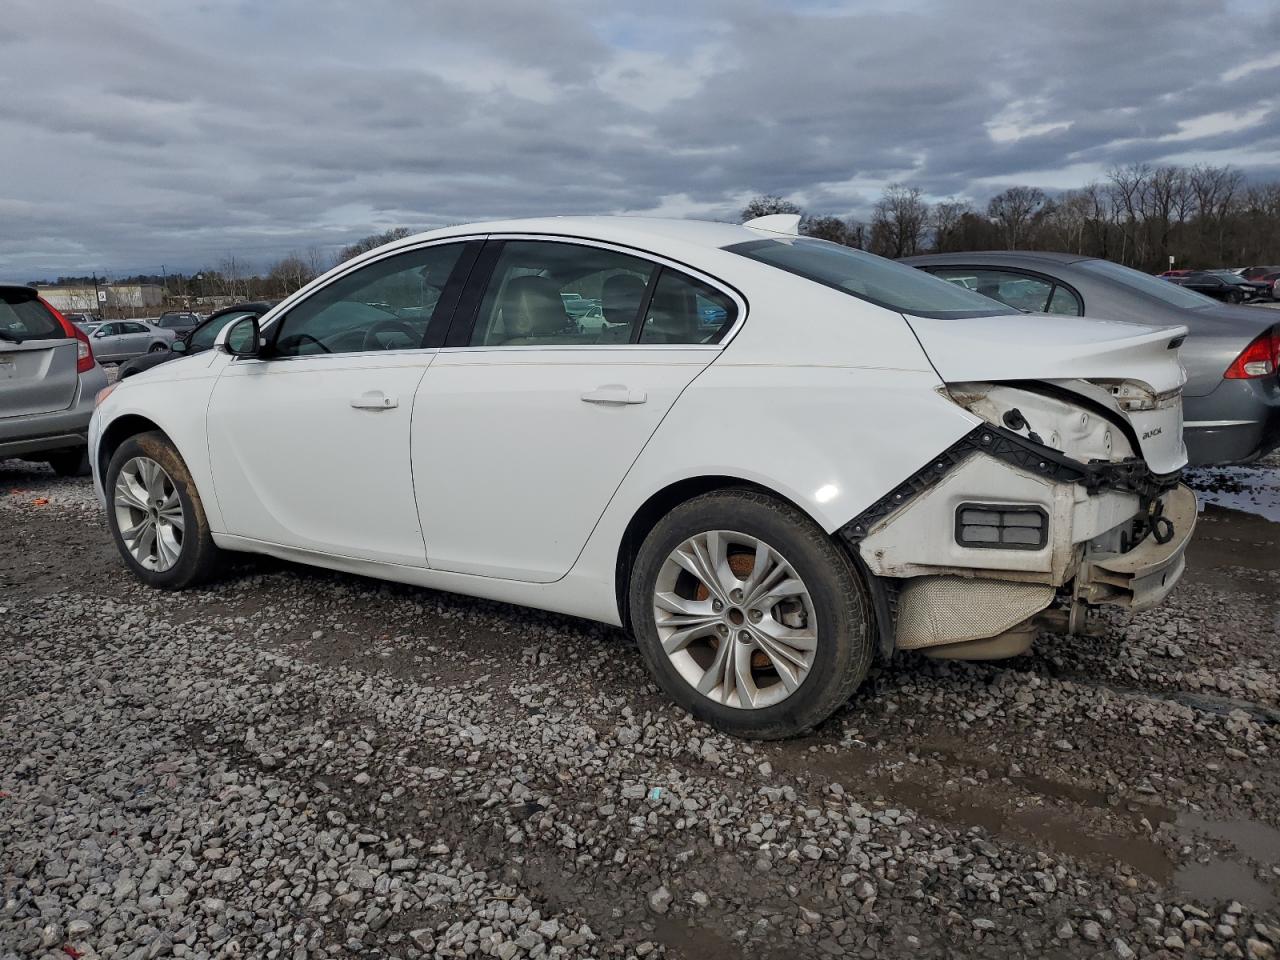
(1146, 574)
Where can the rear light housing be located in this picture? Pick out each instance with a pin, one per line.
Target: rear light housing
(84, 352)
(1261, 358)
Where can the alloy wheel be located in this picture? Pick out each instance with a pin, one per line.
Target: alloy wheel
(735, 619)
(149, 514)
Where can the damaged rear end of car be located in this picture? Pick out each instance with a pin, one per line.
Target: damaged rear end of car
(1064, 496)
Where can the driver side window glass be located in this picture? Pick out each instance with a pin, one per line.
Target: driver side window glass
(386, 305)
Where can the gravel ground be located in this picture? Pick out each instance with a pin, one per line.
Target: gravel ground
(293, 763)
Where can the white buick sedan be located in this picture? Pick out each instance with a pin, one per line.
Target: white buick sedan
(772, 460)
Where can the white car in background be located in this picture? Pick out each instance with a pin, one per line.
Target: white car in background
(856, 458)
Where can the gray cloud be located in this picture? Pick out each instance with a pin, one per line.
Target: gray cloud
(145, 133)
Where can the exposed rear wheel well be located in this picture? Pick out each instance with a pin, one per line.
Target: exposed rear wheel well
(653, 510)
(120, 430)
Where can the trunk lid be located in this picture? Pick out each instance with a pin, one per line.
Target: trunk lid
(1089, 356)
(37, 358)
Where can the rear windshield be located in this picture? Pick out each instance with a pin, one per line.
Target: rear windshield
(868, 277)
(24, 317)
(1165, 290)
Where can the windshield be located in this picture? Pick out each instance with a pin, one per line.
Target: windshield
(1143, 283)
(868, 277)
(1228, 276)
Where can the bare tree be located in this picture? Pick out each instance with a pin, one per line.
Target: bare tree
(1168, 191)
(830, 228)
(1015, 211)
(374, 240)
(946, 221)
(767, 205)
(898, 222)
(287, 275)
(1215, 190)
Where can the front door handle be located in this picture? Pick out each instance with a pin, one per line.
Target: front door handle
(374, 400)
(614, 393)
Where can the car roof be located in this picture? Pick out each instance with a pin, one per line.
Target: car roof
(629, 231)
(1008, 257)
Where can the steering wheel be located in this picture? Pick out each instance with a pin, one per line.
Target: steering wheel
(371, 341)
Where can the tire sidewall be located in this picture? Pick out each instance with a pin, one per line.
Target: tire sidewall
(157, 448)
(844, 647)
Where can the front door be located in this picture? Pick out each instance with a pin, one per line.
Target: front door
(310, 443)
(523, 430)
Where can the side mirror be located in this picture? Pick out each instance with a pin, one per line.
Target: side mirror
(99, 333)
(241, 339)
(178, 346)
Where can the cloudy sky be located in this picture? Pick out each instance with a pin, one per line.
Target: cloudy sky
(149, 132)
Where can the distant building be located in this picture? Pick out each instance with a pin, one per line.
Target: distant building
(82, 298)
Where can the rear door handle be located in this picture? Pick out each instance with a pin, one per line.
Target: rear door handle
(374, 400)
(614, 393)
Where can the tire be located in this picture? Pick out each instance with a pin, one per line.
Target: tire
(842, 645)
(70, 463)
(197, 557)
(158, 348)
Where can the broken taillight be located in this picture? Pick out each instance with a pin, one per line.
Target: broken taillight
(1260, 358)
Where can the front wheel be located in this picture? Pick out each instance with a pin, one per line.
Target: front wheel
(749, 616)
(155, 514)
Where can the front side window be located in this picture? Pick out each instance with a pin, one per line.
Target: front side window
(386, 305)
(895, 286)
(560, 294)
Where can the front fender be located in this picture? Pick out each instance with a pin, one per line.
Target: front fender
(174, 405)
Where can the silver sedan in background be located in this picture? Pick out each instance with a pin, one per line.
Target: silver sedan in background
(118, 340)
(1232, 398)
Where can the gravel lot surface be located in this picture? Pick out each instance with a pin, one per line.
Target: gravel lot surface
(293, 763)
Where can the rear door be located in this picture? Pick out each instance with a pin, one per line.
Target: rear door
(37, 358)
(528, 420)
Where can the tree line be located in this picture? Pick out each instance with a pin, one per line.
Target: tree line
(1140, 215)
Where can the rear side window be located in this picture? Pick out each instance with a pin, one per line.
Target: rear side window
(1022, 291)
(543, 293)
(24, 317)
(685, 310)
(885, 283)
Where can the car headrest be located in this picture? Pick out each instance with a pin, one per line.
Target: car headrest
(620, 297)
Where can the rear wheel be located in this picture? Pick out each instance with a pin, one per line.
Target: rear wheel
(155, 514)
(70, 463)
(158, 348)
(749, 616)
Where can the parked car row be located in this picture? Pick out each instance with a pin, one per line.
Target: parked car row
(1231, 400)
